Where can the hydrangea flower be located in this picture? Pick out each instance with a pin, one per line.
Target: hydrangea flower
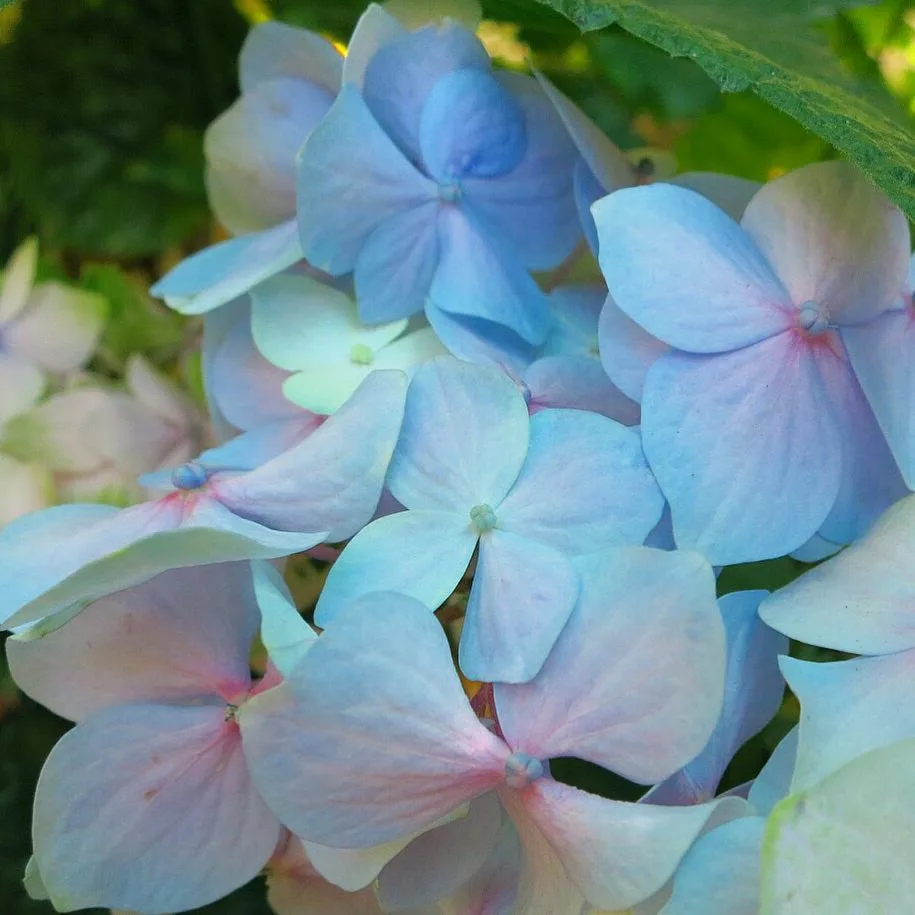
(245, 391)
(97, 440)
(437, 181)
(289, 78)
(147, 803)
(758, 379)
(325, 488)
(860, 601)
(352, 774)
(45, 328)
(313, 331)
(474, 470)
(565, 371)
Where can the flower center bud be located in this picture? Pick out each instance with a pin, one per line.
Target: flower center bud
(191, 475)
(483, 518)
(361, 354)
(522, 769)
(450, 191)
(813, 318)
(231, 711)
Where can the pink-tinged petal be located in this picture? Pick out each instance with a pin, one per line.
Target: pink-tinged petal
(423, 554)
(861, 601)
(636, 679)
(727, 192)
(58, 329)
(464, 437)
(522, 595)
(350, 178)
(494, 887)
(532, 207)
(578, 383)
(24, 488)
(245, 388)
(607, 163)
(183, 635)
(251, 149)
(439, 862)
(331, 481)
(294, 887)
(686, 272)
(833, 239)
(744, 447)
(17, 279)
(848, 708)
(544, 887)
(372, 738)
(157, 392)
(273, 49)
(871, 481)
(627, 351)
(880, 353)
(21, 385)
(584, 485)
(149, 808)
(616, 853)
(480, 276)
(99, 550)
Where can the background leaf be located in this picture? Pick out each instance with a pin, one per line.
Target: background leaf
(774, 48)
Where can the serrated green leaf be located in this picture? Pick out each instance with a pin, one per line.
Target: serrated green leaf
(774, 48)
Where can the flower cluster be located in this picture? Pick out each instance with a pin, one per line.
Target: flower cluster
(521, 491)
(67, 433)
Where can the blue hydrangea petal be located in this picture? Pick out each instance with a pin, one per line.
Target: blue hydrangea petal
(848, 708)
(727, 192)
(480, 277)
(394, 270)
(402, 74)
(532, 207)
(224, 271)
(422, 554)
(686, 272)
(464, 438)
(522, 595)
(350, 177)
(471, 127)
(720, 874)
(744, 447)
(861, 600)
(584, 486)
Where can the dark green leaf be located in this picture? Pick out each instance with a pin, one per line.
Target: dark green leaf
(773, 48)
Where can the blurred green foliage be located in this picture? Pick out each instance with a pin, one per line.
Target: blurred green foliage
(103, 104)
